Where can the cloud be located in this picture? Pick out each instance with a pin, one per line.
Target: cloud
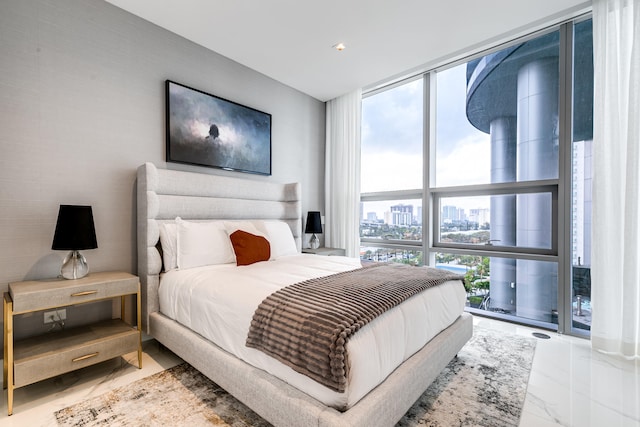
(386, 171)
(392, 120)
(469, 163)
(452, 124)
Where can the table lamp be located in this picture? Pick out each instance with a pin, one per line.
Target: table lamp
(75, 231)
(314, 225)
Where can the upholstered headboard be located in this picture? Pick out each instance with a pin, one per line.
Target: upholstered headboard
(165, 194)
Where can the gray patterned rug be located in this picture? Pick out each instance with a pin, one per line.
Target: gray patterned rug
(484, 386)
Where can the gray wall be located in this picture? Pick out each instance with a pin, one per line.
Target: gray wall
(82, 105)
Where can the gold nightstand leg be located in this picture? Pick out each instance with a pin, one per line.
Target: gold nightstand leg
(139, 315)
(5, 362)
(8, 350)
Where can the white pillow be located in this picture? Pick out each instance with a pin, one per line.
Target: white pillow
(203, 243)
(248, 226)
(280, 238)
(168, 237)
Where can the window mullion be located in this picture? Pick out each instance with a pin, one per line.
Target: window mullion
(429, 215)
(565, 92)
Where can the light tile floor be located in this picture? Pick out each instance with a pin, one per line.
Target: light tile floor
(569, 385)
(572, 385)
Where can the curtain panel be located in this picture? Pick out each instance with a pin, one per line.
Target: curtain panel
(342, 173)
(615, 269)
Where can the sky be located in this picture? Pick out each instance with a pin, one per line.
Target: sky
(392, 129)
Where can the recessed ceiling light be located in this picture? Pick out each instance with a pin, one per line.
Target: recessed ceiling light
(339, 47)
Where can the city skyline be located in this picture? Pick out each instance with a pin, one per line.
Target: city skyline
(382, 209)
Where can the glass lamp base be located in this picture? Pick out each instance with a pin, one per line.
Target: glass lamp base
(314, 242)
(74, 266)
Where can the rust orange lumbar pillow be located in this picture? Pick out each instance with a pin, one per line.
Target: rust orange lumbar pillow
(249, 248)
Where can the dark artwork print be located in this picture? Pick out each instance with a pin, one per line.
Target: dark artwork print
(205, 130)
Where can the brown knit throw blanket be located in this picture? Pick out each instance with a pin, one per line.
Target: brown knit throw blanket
(307, 325)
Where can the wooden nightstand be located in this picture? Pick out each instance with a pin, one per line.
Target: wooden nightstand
(45, 356)
(324, 251)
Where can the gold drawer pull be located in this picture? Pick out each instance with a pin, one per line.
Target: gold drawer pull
(81, 294)
(86, 356)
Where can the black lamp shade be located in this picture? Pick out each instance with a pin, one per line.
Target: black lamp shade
(314, 222)
(75, 229)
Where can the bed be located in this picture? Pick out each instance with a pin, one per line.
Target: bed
(163, 195)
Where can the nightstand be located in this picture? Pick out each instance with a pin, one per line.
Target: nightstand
(44, 356)
(324, 251)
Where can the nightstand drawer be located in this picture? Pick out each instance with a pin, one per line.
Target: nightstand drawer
(45, 294)
(56, 353)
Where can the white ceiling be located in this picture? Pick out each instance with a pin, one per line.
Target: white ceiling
(291, 40)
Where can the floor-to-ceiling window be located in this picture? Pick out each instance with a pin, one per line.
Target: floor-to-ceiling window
(505, 176)
(392, 174)
(580, 175)
(497, 138)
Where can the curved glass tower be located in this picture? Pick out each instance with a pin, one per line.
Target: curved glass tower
(513, 96)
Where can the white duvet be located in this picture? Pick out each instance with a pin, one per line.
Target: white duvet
(218, 302)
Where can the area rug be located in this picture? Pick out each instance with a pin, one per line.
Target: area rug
(485, 385)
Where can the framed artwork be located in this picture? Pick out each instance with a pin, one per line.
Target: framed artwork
(206, 130)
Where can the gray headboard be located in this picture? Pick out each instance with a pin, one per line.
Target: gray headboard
(165, 194)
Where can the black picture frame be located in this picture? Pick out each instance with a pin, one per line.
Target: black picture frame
(206, 130)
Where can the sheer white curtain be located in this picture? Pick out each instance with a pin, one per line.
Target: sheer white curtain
(342, 173)
(615, 269)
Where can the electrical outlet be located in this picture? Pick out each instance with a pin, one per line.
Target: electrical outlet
(55, 316)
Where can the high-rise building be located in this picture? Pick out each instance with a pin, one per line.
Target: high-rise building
(479, 215)
(388, 218)
(581, 203)
(402, 214)
(452, 214)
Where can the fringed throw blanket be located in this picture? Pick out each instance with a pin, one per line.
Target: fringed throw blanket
(307, 325)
